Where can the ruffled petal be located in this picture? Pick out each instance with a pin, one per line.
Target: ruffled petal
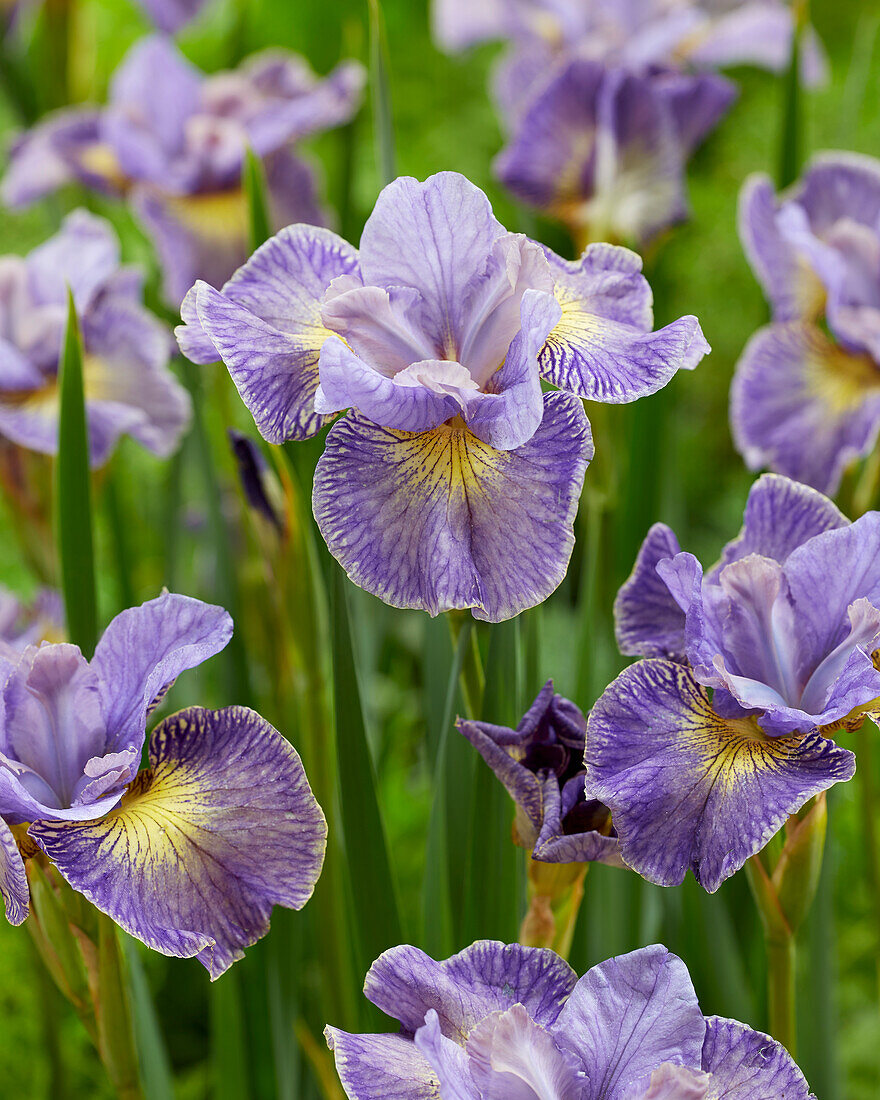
(221, 827)
(601, 348)
(628, 1015)
(381, 1067)
(802, 405)
(144, 649)
(440, 520)
(486, 977)
(687, 788)
(746, 1063)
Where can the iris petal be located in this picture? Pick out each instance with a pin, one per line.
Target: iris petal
(687, 788)
(440, 520)
(222, 826)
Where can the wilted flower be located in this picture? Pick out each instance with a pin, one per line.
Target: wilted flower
(453, 481)
(190, 854)
(541, 763)
(505, 1020)
(806, 401)
(173, 142)
(605, 149)
(129, 389)
(783, 632)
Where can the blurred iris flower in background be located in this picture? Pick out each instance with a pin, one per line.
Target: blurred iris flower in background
(129, 389)
(453, 481)
(173, 141)
(784, 633)
(806, 395)
(189, 854)
(24, 623)
(505, 1020)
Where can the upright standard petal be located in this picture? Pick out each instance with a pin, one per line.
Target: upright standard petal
(780, 516)
(221, 827)
(689, 789)
(602, 349)
(440, 520)
(486, 977)
(746, 1065)
(13, 880)
(648, 621)
(143, 651)
(802, 405)
(628, 1015)
(432, 236)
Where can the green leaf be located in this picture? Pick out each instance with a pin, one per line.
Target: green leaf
(255, 189)
(383, 114)
(228, 1048)
(374, 894)
(73, 495)
(494, 875)
(153, 1058)
(791, 122)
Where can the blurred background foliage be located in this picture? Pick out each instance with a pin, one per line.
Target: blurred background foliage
(670, 458)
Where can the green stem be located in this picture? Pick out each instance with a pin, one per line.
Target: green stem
(781, 955)
(117, 523)
(865, 777)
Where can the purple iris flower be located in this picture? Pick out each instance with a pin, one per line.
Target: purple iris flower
(605, 148)
(129, 389)
(784, 632)
(806, 395)
(173, 142)
(189, 854)
(696, 33)
(171, 15)
(541, 765)
(454, 480)
(508, 1021)
(24, 623)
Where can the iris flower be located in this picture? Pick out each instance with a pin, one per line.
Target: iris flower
(783, 632)
(806, 395)
(453, 480)
(541, 765)
(605, 149)
(22, 623)
(502, 1020)
(173, 142)
(696, 33)
(188, 854)
(171, 15)
(129, 389)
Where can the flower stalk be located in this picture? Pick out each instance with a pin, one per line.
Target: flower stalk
(555, 892)
(783, 895)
